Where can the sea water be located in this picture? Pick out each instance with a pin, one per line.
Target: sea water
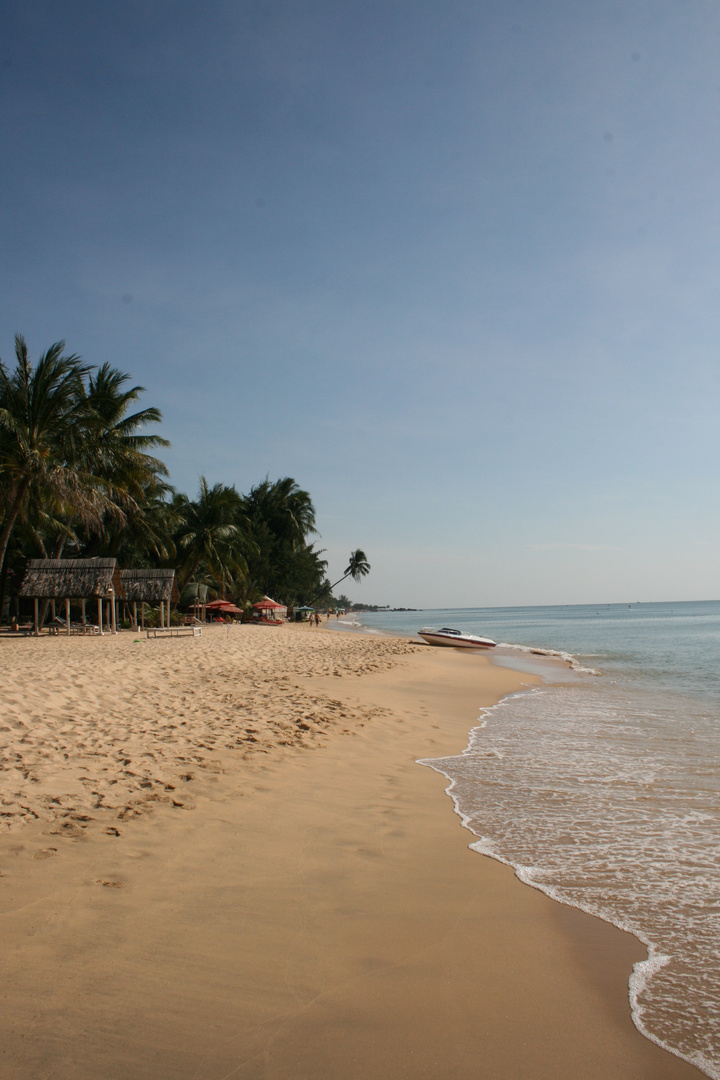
(604, 791)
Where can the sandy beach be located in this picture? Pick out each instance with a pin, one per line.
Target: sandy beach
(220, 859)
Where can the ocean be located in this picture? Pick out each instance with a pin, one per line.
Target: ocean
(603, 790)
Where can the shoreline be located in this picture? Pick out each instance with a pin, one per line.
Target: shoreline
(314, 913)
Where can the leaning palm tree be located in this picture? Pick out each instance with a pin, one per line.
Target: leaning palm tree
(358, 567)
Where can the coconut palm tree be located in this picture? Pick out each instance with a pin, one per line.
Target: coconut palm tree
(211, 532)
(281, 517)
(43, 422)
(116, 452)
(358, 567)
(285, 509)
(117, 447)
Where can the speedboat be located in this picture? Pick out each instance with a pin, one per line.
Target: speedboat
(447, 636)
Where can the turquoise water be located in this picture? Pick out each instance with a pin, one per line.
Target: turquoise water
(672, 645)
(604, 791)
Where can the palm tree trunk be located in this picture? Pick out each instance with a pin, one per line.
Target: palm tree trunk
(317, 597)
(11, 516)
(3, 585)
(10, 519)
(189, 575)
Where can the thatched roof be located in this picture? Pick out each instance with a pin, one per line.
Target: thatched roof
(150, 586)
(73, 579)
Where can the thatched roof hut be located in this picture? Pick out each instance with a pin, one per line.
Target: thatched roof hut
(149, 586)
(73, 579)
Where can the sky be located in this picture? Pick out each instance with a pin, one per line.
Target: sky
(454, 267)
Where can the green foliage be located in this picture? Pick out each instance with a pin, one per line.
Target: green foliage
(78, 477)
(282, 563)
(358, 567)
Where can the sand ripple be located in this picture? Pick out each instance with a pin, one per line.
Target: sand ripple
(101, 729)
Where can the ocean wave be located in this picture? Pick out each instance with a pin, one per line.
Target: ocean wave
(555, 654)
(613, 827)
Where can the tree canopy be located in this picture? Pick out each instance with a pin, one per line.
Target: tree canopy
(79, 478)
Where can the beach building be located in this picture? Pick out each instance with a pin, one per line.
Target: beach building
(74, 581)
(269, 610)
(156, 587)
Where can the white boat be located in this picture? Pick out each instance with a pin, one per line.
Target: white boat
(447, 636)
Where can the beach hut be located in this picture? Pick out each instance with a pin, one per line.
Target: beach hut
(270, 610)
(73, 580)
(156, 587)
(223, 607)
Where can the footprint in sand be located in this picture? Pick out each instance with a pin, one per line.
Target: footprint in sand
(65, 828)
(46, 853)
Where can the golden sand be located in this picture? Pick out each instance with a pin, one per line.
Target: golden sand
(220, 859)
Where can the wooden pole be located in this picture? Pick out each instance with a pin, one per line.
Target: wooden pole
(135, 622)
(82, 606)
(67, 615)
(142, 613)
(112, 613)
(162, 613)
(36, 628)
(100, 614)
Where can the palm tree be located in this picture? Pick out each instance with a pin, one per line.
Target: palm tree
(117, 447)
(43, 421)
(358, 567)
(281, 516)
(145, 537)
(284, 508)
(211, 531)
(116, 452)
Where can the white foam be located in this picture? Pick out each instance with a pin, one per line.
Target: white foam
(555, 654)
(596, 797)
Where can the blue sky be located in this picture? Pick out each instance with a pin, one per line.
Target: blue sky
(453, 267)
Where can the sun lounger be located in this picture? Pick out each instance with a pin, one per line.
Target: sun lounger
(59, 626)
(174, 631)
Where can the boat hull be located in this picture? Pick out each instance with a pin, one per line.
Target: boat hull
(466, 641)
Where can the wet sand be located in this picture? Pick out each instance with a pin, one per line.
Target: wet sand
(220, 859)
